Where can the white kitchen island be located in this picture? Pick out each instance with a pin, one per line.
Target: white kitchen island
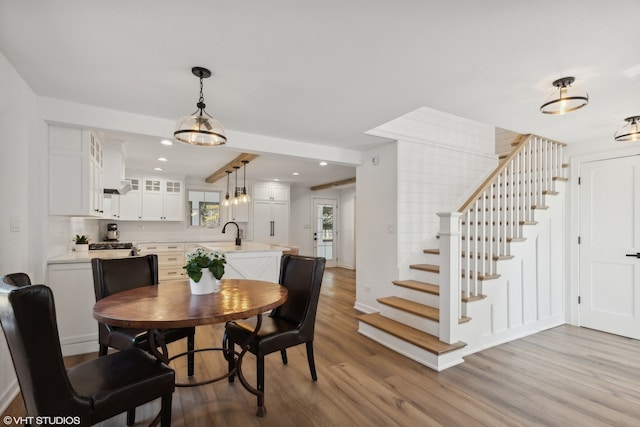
(250, 260)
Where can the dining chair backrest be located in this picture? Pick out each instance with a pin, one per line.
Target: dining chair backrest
(302, 276)
(28, 319)
(111, 276)
(17, 279)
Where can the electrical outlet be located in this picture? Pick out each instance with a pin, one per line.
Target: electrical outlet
(140, 227)
(14, 224)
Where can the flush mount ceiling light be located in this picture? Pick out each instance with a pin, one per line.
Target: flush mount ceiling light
(630, 131)
(200, 128)
(565, 99)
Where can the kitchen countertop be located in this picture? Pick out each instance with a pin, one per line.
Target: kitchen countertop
(85, 257)
(245, 247)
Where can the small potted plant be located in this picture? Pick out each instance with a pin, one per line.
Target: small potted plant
(82, 242)
(205, 269)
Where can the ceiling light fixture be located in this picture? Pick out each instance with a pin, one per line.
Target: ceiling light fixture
(244, 198)
(227, 201)
(630, 131)
(565, 99)
(200, 128)
(236, 198)
(166, 142)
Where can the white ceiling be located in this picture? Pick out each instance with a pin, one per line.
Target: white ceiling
(324, 72)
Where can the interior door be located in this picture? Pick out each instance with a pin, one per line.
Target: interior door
(609, 245)
(325, 236)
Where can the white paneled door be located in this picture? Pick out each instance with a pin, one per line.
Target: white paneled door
(609, 245)
(325, 234)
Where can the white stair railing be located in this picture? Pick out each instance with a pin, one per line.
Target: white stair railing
(492, 218)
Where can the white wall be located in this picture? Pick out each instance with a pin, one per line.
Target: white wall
(375, 230)
(21, 195)
(301, 221)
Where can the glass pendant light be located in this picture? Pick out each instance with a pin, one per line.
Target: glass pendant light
(236, 198)
(630, 131)
(227, 201)
(244, 198)
(200, 128)
(565, 99)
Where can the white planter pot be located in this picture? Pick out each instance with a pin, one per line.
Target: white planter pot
(82, 247)
(207, 284)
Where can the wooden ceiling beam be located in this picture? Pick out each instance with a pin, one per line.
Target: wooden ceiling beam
(222, 172)
(334, 184)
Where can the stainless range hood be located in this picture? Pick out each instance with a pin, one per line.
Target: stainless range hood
(123, 188)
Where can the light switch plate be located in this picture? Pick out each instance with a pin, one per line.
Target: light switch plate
(14, 224)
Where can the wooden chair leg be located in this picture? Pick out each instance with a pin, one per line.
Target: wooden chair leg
(165, 410)
(283, 353)
(191, 346)
(131, 417)
(260, 379)
(312, 363)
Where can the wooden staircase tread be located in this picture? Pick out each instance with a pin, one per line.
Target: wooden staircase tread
(560, 178)
(426, 267)
(414, 336)
(483, 277)
(539, 207)
(494, 257)
(428, 288)
(412, 307)
(550, 192)
(431, 251)
(472, 298)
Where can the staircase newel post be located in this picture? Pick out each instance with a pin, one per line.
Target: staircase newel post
(450, 275)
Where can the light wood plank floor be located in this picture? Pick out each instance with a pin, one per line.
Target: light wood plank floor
(565, 376)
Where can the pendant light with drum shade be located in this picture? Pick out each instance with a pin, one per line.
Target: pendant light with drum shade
(630, 131)
(200, 128)
(565, 98)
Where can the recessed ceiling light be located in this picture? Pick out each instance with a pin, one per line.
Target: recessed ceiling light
(295, 173)
(323, 163)
(276, 179)
(157, 169)
(166, 142)
(162, 159)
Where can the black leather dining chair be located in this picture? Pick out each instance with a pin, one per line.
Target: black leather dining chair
(115, 275)
(288, 325)
(87, 393)
(17, 279)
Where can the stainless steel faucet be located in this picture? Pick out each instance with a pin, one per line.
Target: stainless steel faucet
(238, 241)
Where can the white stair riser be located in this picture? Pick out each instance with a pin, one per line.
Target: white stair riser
(417, 322)
(437, 363)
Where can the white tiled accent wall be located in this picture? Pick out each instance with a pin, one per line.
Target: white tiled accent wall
(435, 175)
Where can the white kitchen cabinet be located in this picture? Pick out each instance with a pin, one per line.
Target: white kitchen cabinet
(75, 172)
(153, 199)
(162, 199)
(171, 259)
(271, 192)
(111, 206)
(270, 222)
(72, 287)
(270, 213)
(131, 203)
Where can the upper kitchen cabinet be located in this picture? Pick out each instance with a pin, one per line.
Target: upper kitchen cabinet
(271, 192)
(154, 199)
(75, 172)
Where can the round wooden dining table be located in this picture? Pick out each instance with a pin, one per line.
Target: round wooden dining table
(171, 305)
